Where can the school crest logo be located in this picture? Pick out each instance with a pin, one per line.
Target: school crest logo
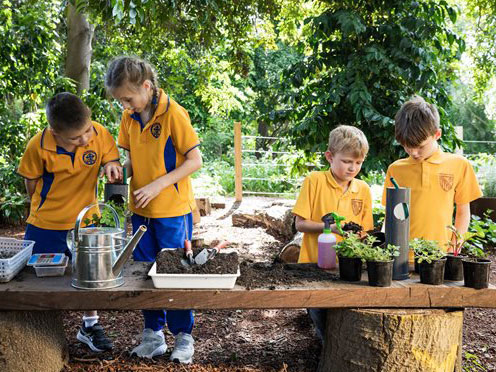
(155, 130)
(446, 181)
(356, 206)
(89, 157)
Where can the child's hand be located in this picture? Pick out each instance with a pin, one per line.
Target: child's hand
(113, 171)
(146, 194)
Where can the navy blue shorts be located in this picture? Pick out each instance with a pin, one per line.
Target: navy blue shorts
(169, 232)
(47, 241)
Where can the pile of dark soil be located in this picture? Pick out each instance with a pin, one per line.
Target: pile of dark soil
(267, 274)
(353, 227)
(169, 262)
(6, 254)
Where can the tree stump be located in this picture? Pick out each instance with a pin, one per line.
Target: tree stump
(32, 341)
(387, 340)
(291, 251)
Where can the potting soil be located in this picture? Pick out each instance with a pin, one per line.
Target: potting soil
(169, 262)
(267, 274)
(6, 254)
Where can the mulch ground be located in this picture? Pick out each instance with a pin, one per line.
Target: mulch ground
(247, 340)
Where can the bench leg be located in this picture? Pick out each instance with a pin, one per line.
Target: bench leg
(32, 341)
(387, 340)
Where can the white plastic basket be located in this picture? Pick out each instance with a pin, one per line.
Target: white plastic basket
(9, 267)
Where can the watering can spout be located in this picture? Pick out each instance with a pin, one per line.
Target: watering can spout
(124, 256)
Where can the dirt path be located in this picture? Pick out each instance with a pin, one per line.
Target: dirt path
(245, 340)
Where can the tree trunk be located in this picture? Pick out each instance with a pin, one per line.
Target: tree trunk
(261, 143)
(32, 341)
(79, 35)
(386, 340)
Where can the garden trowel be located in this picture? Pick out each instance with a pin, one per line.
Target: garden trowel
(188, 261)
(209, 253)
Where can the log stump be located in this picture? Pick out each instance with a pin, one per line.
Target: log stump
(275, 217)
(291, 251)
(387, 340)
(32, 341)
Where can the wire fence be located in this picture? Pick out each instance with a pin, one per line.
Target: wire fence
(254, 164)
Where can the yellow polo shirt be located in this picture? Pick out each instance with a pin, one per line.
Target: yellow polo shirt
(67, 181)
(321, 194)
(157, 148)
(437, 184)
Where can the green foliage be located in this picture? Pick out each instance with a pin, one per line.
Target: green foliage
(351, 246)
(379, 253)
(365, 59)
(106, 217)
(426, 250)
(484, 229)
(472, 363)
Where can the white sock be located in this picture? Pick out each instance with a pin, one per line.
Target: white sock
(90, 321)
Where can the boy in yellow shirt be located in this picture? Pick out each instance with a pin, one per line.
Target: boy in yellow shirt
(60, 167)
(335, 190)
(438, 180)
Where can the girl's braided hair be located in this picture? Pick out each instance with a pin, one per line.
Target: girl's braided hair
(131, 70)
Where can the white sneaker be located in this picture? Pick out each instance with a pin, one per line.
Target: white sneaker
(152, 344)
(183, 348)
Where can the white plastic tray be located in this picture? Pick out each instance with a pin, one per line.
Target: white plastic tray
(9, 267)
(51, 270)
(192, 281)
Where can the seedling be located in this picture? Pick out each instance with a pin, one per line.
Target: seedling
(379, 253)
(466, 243)
(426, 250)
(351, 246)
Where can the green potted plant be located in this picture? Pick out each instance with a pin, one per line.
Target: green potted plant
(476, 265)
(349, 252)
(431, 260)
(379, 260)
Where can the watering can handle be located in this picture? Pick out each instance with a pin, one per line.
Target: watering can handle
(86, 209)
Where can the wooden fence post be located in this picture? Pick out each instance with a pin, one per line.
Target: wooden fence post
(459, 135)
(238, 180)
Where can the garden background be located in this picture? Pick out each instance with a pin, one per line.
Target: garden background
(289, 71)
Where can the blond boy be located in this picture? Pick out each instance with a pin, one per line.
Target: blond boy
(335, 190)
(438, 180)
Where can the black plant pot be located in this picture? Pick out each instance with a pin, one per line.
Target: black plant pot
(454, 268)
(380, 273)
(432, 273)
(416, 267)
(476, 272)
(350, 269)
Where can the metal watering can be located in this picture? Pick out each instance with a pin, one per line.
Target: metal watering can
(98, 253)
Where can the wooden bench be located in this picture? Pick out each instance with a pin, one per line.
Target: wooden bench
(408, 312)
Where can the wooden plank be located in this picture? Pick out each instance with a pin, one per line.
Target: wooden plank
(28, 292)
(238, 178)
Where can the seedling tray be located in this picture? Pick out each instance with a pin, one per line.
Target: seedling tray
(192, 281)
(10, 267)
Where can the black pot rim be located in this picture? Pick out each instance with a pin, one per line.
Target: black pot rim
(384, 262)
(482, 261)
(434, 261)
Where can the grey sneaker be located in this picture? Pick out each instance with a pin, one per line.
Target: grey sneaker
(183, 348)
(151, 345)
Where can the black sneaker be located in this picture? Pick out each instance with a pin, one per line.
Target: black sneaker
(95, 338)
